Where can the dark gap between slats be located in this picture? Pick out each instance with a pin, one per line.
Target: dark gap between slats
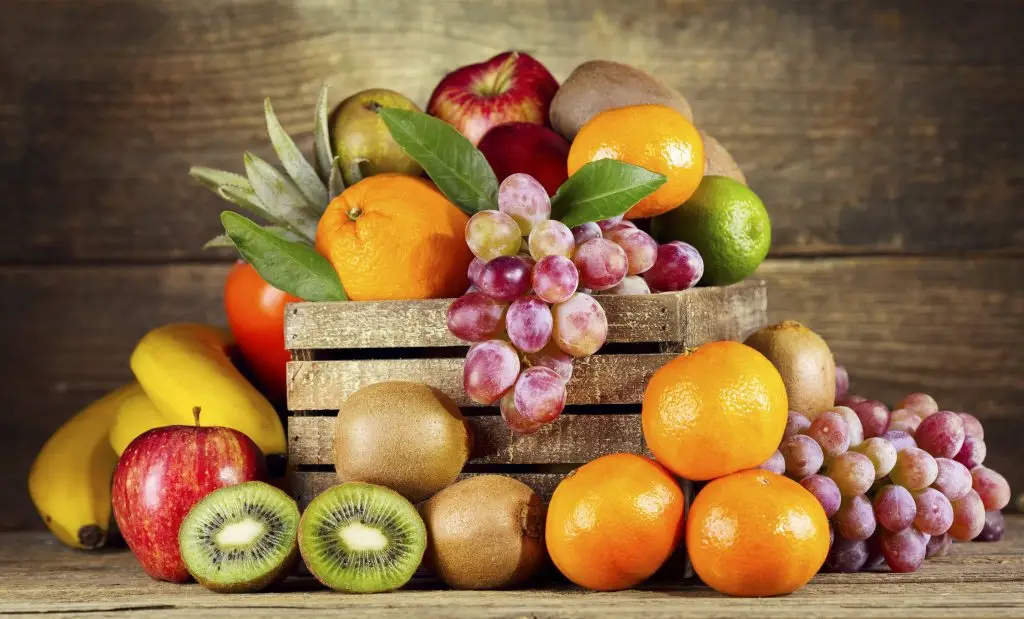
(454, 352)
(485, 411)
(502, 469)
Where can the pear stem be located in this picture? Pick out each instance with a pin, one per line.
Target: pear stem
(195, 414)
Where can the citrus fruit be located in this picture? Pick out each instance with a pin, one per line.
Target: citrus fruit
(728, 225)
(756, 533)
(614, 521)
(716, 410)
(655, 137)
(392, 236)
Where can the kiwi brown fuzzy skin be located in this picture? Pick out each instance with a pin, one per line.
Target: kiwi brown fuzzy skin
(599, 85)
(270, 579)
(718, 161)
(485, 532)
(401, 435)
(805, 362)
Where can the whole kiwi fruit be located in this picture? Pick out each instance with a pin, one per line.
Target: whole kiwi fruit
(718, 161)
(402, 435)
(805, 362)
(485, 532)
(599, 85)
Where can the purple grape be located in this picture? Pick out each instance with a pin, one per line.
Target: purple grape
(992, 487)
(611, 222)
(921, 403)
(938, 546)
(581, 326)
(934, 512)
(915, 469)
(555, 278)
(540, 394)
(475, 317)
(895, 508)
(516, 421)
(641, 249)
(855, 519)
(527, 260)
(899, 439)
(953, 479)
(905, 420)
(490, 234)
(846, 556)
(972, 453)
(601, 263)
(476, 266)
(529, 323)
(551, 357)
(631, 284)
(882, 454)
(490, 371)
(506, 278)
(551, 238)
(825, 490)
(972, 427)
(874, 417)
(850, 400)
(842, 382)
(803, 456)
(584, 232)
(995, 526)
(941, 434)
(830, 430)
(775, 463)
(679, 266)
(852, 472)
(904, 551)
(796, 423)
(525, 200)
(875, 557)
(968, 517)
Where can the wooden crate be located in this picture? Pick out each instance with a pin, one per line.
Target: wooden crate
(339, 347)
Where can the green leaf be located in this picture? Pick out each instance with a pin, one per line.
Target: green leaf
(292, 267)
(301, 173)
(215, 179)
(336, 184)
(322, 150)
(223, 240)
(280, 197)
(602, 189)
(458, 169)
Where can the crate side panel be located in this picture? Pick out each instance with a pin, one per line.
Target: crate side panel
(573, 439)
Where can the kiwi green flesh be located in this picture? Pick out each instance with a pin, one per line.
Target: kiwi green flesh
(240, 538)
(362, 538)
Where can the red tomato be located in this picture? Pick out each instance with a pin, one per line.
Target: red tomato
(255, 312)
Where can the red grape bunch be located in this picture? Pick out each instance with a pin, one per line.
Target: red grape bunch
(528, 312)
(898, 486)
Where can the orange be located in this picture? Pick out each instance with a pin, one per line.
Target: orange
(719, 409)
(655, 137)
(756, 533)
(614, 521)
(392, 236)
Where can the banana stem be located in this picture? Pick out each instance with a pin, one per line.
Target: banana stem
(195, 414)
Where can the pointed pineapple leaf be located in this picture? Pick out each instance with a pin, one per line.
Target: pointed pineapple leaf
(336, 185)
(223, 240)
(246, 198)
(602, 189)
(292, 267)
(300, 171)
(458, 169)
(280, 197)
(215, 179)
(322, 150)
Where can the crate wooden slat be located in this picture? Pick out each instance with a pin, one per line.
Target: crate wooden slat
(306, 485)
(574, 439)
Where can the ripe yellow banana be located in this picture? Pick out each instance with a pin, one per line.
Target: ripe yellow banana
(182, 366)
(70, 479)
(135, 415)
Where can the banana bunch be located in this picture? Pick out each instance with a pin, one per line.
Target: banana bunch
(177, 367)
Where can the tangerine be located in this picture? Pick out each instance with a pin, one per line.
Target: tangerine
(655, 137)
(392, 236)
(614, 521)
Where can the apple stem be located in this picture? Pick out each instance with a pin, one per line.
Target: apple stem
(195, 414)
(501, 80)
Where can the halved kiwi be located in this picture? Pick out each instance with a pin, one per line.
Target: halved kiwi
(240, 538)
(362, 538)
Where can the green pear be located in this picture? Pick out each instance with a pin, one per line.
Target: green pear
(362, 141)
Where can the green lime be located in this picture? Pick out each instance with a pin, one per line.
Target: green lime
(728, 225)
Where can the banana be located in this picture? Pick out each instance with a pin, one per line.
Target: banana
(135, 415)
(70, 479)
(183, 366)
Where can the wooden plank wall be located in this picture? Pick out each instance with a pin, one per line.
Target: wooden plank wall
(885, 138)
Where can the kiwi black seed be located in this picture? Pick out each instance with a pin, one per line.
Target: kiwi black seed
(362, 538)
(240, 538)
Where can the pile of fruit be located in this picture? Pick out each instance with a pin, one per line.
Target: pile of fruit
(540, 197)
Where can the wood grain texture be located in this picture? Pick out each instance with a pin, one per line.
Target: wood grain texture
(600, 379)
(951, 327)
(38, 576)
(866, 127)
(572, 439)
(691, 317)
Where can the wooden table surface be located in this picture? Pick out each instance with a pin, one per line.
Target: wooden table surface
(40, 577)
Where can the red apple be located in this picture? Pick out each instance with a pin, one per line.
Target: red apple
(162, 474)
(510, 87)
(528, 149)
